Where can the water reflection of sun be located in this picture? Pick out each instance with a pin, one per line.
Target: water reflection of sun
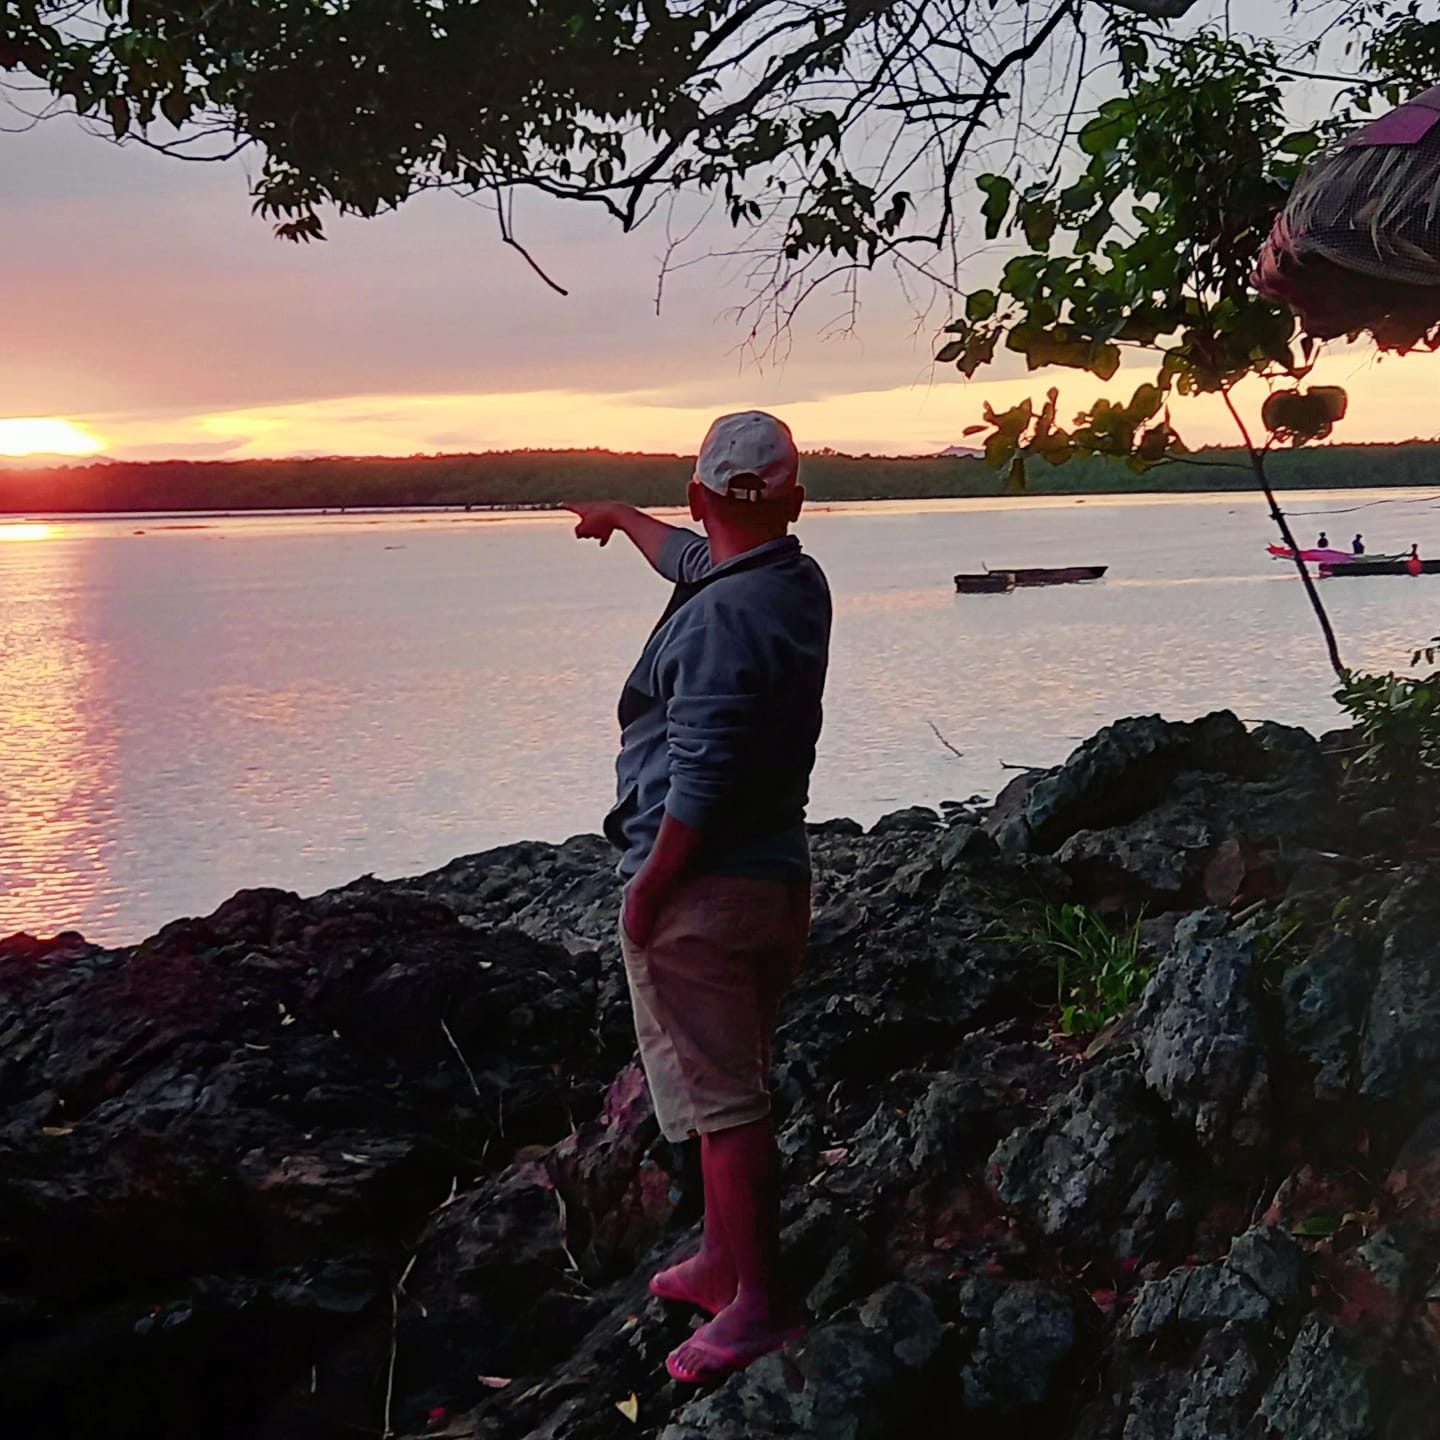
(25, 530)
(36, 435)
(57, 752)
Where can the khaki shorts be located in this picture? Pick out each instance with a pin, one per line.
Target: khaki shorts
(706, 991)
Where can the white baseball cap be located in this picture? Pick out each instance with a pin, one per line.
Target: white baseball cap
(748, 456)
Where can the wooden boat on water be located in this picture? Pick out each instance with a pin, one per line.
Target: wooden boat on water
(993, 582)
(1058, 575)
(1329, 557)
(1379, 567)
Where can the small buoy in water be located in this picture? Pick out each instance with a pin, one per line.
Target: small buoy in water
(137, 532)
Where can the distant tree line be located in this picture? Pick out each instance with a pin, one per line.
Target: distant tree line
(549, 477)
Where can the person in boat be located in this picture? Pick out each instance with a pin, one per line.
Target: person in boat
(1357, 545)
(1323, 543)
(719, 722)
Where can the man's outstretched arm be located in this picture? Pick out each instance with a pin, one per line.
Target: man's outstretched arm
(600, 519)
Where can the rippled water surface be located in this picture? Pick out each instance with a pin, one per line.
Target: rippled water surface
(190, 706)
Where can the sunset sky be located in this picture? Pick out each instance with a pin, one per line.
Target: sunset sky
(148, 308)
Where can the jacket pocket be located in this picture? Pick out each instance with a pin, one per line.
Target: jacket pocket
(620, 813)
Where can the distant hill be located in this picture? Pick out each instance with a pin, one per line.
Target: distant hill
(47, 462)
(547, 477)
(953, 451)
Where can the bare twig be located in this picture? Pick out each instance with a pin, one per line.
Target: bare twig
(507, 234)
(959, 754)
(469, 1073)
(1257, 461)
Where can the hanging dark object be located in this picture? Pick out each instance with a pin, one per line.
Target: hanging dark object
(1357, 247)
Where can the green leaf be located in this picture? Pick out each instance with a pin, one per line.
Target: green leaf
(981, 305)
(1000, 450)
(1037, 219)
(1102, 134)
(1105, 361)
(1012, 422)
(119, 114)
(1301, 144)
(998, 191)
(1333, 398)
(1153, 444)
(953, 351)
(175, 107)
(1145, 403)
(981, 351)
(1317, 1227)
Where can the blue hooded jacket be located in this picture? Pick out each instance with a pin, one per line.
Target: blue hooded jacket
(720, 716)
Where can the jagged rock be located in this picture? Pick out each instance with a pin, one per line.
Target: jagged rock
(1261, 1271)
(1091, 1171)
(284, 1084)
(303, 1165)
(1321, 1392)
(1413, 1184)
(1295, 748)
(1325, 998)
(1400, 1053)
(861, 1379)
(1200, 1037)
(1206, 1295)
(1158, 860)
(966, 1110)
(1270, 1260)
(1392, 1264)
(1156, 813)
(966, 845)
(1126, 769)
(1028, 1334)
(1211, 1400)
(913, 818)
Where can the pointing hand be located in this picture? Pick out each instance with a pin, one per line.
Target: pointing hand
(598, 519)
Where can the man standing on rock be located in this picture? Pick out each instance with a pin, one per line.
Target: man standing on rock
(719, 721)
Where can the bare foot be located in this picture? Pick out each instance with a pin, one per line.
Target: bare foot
(738, 1335)
(705, 1281)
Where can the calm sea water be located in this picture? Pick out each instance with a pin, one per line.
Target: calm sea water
(190, 706)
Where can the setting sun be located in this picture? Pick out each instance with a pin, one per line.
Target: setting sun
(45, 437)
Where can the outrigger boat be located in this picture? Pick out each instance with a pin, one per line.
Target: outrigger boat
(1378, 566)
(992, 582)
(1329, 557)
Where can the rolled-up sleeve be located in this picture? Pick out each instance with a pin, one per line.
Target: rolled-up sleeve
(684, 557)
(714, 718)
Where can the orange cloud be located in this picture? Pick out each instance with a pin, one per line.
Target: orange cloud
(1392, 399)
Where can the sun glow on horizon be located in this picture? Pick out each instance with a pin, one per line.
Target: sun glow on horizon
(45, 435)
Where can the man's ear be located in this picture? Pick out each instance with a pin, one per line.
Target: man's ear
(797, 501)
(695, 493)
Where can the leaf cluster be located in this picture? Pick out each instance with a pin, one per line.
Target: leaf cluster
(1398, 717)
(1149, 248)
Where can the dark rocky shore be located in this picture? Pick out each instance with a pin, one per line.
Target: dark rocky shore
(379, 1161)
